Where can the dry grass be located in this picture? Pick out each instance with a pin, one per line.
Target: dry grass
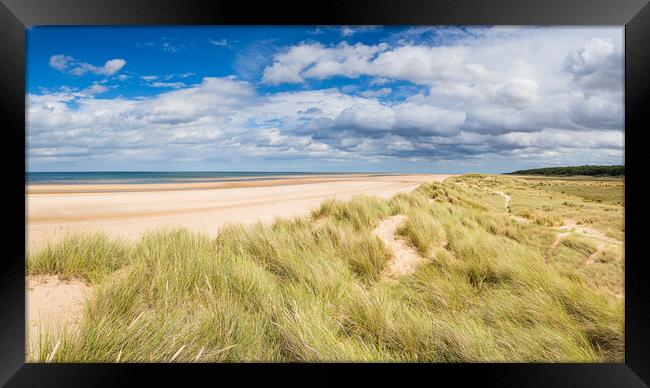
(310, 288)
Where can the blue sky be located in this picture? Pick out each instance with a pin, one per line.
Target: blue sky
(358, 98)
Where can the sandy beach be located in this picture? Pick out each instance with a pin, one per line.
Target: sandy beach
(128, 210)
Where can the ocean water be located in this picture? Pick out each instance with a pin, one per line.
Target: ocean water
(133, 177)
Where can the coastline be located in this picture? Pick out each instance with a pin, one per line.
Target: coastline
(128, 210)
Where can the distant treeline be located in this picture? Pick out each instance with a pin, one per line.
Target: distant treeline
(617, 170)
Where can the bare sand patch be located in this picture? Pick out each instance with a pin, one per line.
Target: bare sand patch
(506, 197)
(53, 305)
(405, 258)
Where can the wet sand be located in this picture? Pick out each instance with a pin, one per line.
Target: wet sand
(128, 210)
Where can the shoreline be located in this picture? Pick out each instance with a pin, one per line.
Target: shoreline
(128, 210)
(134, 184)
(208, 183)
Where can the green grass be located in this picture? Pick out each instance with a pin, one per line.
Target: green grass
(548, 202)
(601, 190)
(311, 289)
(87, 256)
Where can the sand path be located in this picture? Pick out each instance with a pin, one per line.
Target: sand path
(571, 227)
(405, 259)
(554, 244)
(592, 258)
(507, 199)
(587, 231)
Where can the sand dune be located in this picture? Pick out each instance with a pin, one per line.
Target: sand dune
(128, 210)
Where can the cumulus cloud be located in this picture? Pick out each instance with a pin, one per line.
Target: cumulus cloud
(110, 67)
(67, 64)
(555, 138)
(596, 65)
(428, 119)
(317, 61)
(369, 116)
(94, 89)
(598, 112)
(527, 95)
(60, 62)
(376, 93)
(418, 64)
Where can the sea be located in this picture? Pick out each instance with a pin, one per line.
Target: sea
(136, 177)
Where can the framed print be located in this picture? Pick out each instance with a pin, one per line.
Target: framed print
(377, 188)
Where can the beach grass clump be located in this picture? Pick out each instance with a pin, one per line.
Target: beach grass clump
(89, 256)
(361, 211)
(313, 288)
(424, 232)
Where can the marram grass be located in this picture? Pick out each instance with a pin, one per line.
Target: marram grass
(311, 288)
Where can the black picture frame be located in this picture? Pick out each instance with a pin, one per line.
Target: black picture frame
(17, 15)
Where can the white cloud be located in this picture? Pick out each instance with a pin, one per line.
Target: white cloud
(554, 138)
(164, 44)
(316, 61)
(64, 63)
(371, 116)
(60, 62)
(525, 94)
(597, 112)
(166, 77)
(418, 64)
(428, 119)
(174, 85)
(94, 89)
(111, 67)
(376, 93)
(219, 42)
(596, 65)
(347, 31)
